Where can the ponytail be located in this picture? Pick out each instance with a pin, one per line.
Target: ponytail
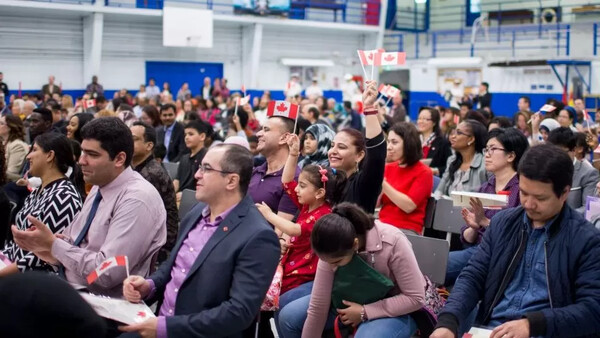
(333, 234)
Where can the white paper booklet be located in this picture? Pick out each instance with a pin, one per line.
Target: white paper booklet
(592, 208)
(477, 332)
(118, 309)
(461, 199)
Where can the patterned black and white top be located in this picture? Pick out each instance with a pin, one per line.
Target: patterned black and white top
(56, 206)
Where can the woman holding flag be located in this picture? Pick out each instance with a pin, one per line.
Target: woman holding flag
(361, 158)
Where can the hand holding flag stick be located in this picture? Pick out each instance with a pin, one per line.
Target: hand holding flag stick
(545, 109)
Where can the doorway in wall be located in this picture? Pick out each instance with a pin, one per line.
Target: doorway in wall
(176, 73)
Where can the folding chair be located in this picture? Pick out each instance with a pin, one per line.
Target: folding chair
(429, 212)
(432, 256)
(171, 169)
(447, 218)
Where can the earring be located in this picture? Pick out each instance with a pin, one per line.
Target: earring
(469, 143)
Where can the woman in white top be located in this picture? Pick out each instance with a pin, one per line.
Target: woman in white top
(12, 133)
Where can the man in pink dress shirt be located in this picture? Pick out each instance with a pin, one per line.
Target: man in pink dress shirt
(219, 271)
(123, 215)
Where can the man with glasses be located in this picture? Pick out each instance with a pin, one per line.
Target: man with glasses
(536, 272)
(223, 263)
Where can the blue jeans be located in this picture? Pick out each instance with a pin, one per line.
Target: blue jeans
(291, 318)
(396, 327)
(457, 260)
(290, 296)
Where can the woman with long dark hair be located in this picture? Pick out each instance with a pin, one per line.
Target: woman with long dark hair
(75, 125)
(12, 133)
(55, 202)
(435, 147)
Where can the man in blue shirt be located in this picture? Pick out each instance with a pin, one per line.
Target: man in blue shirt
(171, 134)
(536, 272)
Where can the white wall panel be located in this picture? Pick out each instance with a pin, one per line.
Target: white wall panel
(33, 48)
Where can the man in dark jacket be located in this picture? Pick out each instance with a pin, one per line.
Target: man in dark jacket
(537, 271)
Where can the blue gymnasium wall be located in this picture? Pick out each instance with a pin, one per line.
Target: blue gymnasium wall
(503, 104)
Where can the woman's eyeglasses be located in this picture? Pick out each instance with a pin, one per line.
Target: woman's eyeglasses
(491, 150)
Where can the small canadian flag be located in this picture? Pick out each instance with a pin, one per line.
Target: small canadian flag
(367, 57)
(282, 108)
(107, 264)
(389, 91)
(243, 100)
(456, 119)
(89, 103)
(390, 59)
(586, 116)
(547, 108)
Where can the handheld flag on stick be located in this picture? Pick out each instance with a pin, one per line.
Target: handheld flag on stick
(240, 101)
(547, 108)
(89, 103)
(389, 91)
(390, 59)
(368, 57)
(456, 119)
(109, 263)
(283, 109)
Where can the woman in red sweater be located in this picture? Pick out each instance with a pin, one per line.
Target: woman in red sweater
(407, 182)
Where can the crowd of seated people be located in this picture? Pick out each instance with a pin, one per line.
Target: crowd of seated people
(288, 208)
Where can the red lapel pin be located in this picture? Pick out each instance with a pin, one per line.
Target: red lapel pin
(225, 228)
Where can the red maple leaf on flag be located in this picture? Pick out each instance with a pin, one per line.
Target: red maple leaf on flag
(141, 314)
(105, 265)
(370, 56)
(389, 58)
(282, 107)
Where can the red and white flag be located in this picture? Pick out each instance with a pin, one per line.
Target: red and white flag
(89, 103)
(547, 108)
(367, 57)
(390, 59)
(456, 119)
(389, 91)
(283, 109)
(586, 116)
(243, 100)
(107, 264)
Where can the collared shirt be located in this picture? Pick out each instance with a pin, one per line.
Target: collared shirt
(186, 256)
(267, 188)
(168, 132)
(156, 174)
(528, 290)
(152, 91)
(130, 221)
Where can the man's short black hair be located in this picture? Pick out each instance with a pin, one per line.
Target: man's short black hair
(113, 134)
(100, 99)
(526, 99)
(486, 85)
(200, 126)
(149, 132)
(239, 160)
(548, 164)
(563, 137)
(465, 104)
(167, 106)
(45, 112)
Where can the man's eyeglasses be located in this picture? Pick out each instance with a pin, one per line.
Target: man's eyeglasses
(491, 150)
(203, 169)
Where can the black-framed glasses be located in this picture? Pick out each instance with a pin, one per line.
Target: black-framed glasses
(203, 169)
(491, 150)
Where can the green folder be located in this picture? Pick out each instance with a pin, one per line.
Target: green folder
(357, 282)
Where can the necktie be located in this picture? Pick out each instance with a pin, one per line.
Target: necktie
(86, 228)
(89, 220)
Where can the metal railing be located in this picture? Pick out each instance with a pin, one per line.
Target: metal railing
(363, 12)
